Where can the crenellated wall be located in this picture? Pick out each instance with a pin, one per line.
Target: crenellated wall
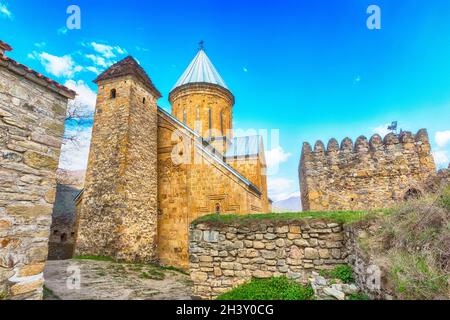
(367, 174)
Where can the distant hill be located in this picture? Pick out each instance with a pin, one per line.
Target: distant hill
(291, 204)
(71, 178)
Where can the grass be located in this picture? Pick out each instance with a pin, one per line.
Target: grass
(153, 273)
(415, 248)
(358, 296)
(49, 294)
(334, 216)
(342, 272)
(95, 258)
(277, 288)
(4, 296)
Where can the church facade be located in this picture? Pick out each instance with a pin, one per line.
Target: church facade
(151, 173)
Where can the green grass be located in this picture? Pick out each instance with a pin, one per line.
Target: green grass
(415, 278)
(172, 268)
(153, 273)
(445, 198)
(95, 258)
(342, 272)
(278, 288)
(358, 296)
(4, 296)
(334, 216)
(49, 294)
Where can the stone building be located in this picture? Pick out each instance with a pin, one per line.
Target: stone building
(62, 232)
(369, 174)
(150, 173)
(32, 114)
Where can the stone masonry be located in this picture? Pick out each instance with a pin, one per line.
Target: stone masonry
(151, 173)
(32, 114)
(118, 215)
(369, 174)
(225, 256)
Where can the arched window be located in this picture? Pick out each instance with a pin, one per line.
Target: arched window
(113, 94)
(221, 122)
(218, 208)
(184, 116)
(63, 237)
(198, 114)
(143, 100)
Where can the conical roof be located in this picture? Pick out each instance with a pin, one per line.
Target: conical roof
(125, 67)
(201, 70)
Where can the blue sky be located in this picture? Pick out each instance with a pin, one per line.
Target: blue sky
(311, 69)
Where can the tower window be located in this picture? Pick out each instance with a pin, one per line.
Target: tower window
(184, 116)
(218, 208)
(221, 122)
(143, 100)
(113, 94)
(63, 237)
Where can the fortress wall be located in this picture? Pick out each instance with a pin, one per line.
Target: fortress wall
(31, 130)
(366, 174)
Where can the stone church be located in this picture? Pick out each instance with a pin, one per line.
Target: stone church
(151, 173)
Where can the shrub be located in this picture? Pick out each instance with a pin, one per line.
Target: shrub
(277, 288)
(416, 247)
(445, 198)
(342, 272)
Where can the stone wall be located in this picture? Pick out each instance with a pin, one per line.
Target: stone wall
(32, 115)
(225, 256)
(118, 215)
(366, 175)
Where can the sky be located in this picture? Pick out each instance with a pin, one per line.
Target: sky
(309, 69)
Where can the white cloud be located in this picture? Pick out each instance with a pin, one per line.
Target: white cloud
(275, 157)
(99, 61)
(74, 156)
(85, 96)
(442, 138)
(4, 11)
(105, 50)
(382, 130)
(62, 31)
(441, 157)
(58, 66)
(40, 44)
(93, 69)
(280, 188)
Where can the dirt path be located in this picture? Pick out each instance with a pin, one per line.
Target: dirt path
(102, 280)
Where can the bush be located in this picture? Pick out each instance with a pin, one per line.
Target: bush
(416, 247)
(445, 198)
(277, 288)
(342, 272)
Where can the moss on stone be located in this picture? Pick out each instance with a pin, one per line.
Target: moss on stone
(332, 216)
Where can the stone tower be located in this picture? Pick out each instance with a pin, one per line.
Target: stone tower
(202, 100)
(118, 215)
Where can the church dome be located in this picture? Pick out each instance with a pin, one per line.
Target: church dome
(201, 70)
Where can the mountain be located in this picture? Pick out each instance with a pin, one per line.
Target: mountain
(291, 204)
